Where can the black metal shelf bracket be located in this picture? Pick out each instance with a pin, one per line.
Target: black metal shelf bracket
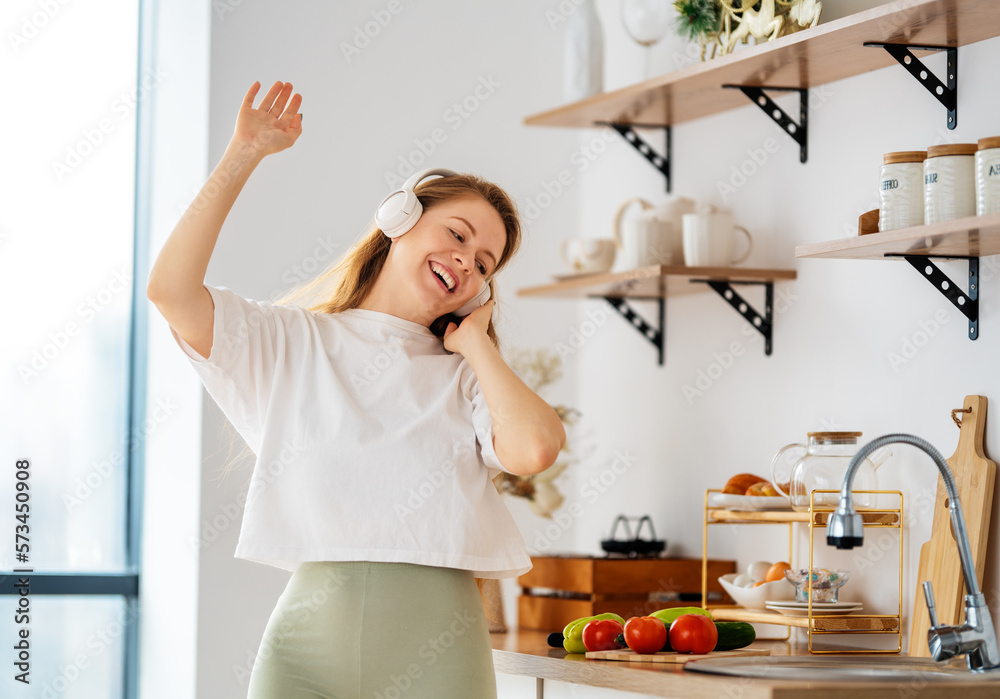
(654, 335)
(968, 305)
(798, 131)
(945, 94)
(660, 162)
(762, 323)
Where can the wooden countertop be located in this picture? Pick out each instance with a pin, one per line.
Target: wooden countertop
(523, 652)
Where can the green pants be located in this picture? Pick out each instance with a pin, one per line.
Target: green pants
(371, 630)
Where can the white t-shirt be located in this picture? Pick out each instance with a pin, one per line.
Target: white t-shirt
(372, 441)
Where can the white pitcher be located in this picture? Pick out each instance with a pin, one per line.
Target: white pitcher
(645, 238)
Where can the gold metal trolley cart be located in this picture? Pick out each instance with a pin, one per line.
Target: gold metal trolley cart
(816, 517)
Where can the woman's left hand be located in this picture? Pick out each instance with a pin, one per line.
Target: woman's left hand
(473, 327)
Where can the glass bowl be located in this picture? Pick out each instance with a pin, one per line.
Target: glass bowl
(825, 583)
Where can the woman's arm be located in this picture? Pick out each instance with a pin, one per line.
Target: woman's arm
(176, 280)
(527, 432)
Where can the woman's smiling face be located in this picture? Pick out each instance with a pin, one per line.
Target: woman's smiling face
(445, 259)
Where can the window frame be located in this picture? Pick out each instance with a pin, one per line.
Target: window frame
(125, 584)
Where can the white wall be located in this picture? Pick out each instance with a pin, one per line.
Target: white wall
(830, 366)
(836, 334)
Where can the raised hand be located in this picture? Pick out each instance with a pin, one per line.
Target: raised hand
(272, 126)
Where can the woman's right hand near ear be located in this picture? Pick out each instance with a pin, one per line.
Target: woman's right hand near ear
(274, 124)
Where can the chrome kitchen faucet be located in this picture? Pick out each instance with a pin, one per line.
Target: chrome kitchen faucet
(976, 638)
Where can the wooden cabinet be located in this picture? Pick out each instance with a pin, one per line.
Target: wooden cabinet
(559, 589)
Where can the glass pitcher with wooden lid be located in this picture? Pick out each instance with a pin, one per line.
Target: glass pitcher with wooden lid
(823, 466)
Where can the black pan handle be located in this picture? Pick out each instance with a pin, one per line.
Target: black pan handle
(638, 530)
(614, 528)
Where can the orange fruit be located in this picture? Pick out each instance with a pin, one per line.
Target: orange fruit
(777, 572)
(758, 584)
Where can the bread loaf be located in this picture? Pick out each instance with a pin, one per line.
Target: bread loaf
(764, 488)
(738, 484)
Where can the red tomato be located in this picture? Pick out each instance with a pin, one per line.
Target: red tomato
(693, 633)
(645, 634)
(600, 634)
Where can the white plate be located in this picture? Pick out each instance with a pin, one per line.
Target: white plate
(802, 611)
(821, 611)
(819, 608)
(748, 503)
(805, 605)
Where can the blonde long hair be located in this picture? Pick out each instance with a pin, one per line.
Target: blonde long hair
(347, 282)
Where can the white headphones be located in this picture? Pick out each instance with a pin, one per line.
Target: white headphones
(400, 211)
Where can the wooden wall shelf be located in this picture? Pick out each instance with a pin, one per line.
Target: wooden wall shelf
(969, 238)
(846, 47)
(828, 52)
(657, 281)
(653, 282)
(975, 236)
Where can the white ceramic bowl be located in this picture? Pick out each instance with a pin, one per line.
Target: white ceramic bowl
(755, 597)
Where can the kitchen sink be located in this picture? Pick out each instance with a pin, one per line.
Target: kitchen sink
(842, 667)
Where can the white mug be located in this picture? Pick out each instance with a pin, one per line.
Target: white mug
(673, 211)
(588, 254)
(709, 239)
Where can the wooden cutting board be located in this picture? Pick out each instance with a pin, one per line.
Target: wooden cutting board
(632, 657)
(974, 477)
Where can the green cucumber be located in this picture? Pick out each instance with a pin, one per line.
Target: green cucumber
(734, 634)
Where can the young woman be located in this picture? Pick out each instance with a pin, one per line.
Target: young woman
(379, 417)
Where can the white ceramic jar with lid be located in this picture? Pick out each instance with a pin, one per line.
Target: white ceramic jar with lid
(988, 176)
(901, 190)
(949, 182)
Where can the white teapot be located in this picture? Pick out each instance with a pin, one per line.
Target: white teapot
(654, 235)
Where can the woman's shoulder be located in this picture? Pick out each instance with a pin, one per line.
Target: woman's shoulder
(240, 302)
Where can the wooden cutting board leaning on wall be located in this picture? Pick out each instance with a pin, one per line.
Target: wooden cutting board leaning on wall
(974, 477)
